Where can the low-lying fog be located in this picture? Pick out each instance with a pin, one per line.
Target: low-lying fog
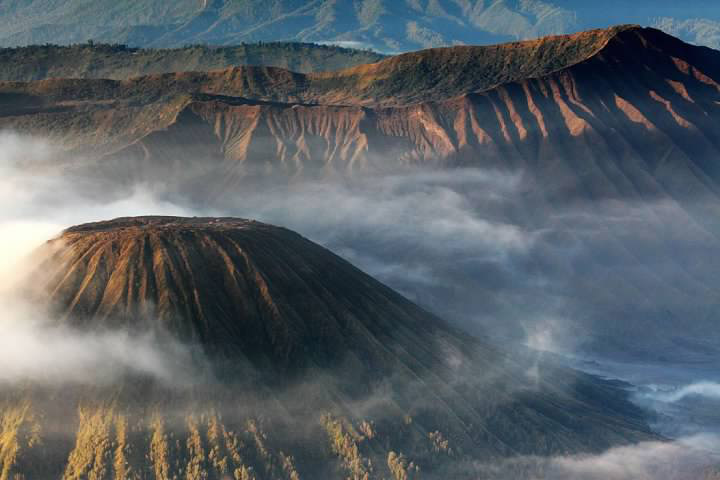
(623, 288)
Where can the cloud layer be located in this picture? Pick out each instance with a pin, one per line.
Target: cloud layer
(33, 349)
(485, 250)
(36, 203)
(478, 247)
(690, 457)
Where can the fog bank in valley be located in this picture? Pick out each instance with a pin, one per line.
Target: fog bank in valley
(480, 248)
(485, 250)
(36, 203)
(684, 458)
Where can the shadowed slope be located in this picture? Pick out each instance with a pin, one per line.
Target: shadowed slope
(301, 338)
(629, 102)
(409, 78)
(234, 287)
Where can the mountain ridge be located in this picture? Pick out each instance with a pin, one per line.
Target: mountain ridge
(121, 62)
(324, 87)
(588, 44)
(382, 25)
(427, 131)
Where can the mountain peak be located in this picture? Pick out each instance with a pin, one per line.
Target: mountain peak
(437, 73)
(236, 287)
(149, 223)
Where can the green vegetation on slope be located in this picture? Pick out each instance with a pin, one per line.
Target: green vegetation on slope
(121, 62)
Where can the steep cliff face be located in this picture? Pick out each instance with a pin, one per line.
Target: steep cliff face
(637, 117)
(621, 110)
(322, 372)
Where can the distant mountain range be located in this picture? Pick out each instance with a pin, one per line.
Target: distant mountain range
(383, 25)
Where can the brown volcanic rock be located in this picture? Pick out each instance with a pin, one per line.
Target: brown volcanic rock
(338, 359)
(236, 287)
(636, 117)
(438, 73)
(632, 109)
(422, 76)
